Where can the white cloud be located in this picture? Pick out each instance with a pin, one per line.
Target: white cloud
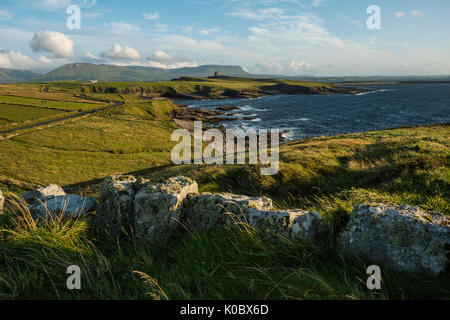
(17, 60)
(187, 29)
(122, 27)
(416, 13)
(259, 31)
(160, 27)
(151, 16)
(54, 5)
(172, 65)
(160, 59)
(399, 15)
(261, 14)
(90, 57)
(317, 3)
(294, 67)
(5, 15)
(300, 66)
(268, 68)
(55, 42)
(160, 56)
(117, 52)
(208, 31)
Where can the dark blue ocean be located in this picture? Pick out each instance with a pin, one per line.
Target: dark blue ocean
(388, 106)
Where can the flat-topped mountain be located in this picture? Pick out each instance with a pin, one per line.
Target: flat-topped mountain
(103, 72)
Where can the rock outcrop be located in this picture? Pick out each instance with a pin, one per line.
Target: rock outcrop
(43, 193)
(404, 238)
(53, 200)
(69, 205)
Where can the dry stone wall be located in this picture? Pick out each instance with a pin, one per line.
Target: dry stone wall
(158, 210)
(404, 238)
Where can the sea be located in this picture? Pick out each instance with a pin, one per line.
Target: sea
(300, 116)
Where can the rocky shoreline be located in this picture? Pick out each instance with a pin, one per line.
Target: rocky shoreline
(278, 89)
(184, 117)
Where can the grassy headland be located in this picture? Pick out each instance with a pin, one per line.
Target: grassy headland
(326, 174)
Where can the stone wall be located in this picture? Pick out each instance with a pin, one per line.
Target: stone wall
(404, 238)
(158, 210)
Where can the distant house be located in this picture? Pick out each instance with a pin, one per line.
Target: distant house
(94, 81)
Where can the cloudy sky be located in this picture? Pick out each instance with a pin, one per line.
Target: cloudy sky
(290, 37)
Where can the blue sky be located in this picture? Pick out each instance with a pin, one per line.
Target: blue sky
(291, 37)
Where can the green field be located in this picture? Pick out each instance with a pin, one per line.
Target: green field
(185, 85)
(26, 104)
(20, 113)
(326, 174)
(53, 104)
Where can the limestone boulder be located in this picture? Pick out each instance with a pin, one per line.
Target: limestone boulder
(69, 205)
(156, 206)
(295, 224)
(36, 195)
(208, 211)
(404, 238)
(115, 208)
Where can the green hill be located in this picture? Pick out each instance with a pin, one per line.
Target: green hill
(89, 71)
(12, 75)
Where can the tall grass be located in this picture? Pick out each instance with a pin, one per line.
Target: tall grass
(232, 263)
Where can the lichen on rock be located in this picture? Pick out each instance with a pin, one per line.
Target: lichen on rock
(208, 211)
(296, 224)
(116, 203)
(156, 206)
(404, 238)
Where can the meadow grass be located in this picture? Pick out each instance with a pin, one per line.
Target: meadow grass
(185, 85)
(55, 104)
(221, 264)
(326, 174)
(19, 113)
(38, 91)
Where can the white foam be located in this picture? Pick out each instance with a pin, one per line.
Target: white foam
(376, 91)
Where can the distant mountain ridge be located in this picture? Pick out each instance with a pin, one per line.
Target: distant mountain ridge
(103, 72)
(12, 75)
